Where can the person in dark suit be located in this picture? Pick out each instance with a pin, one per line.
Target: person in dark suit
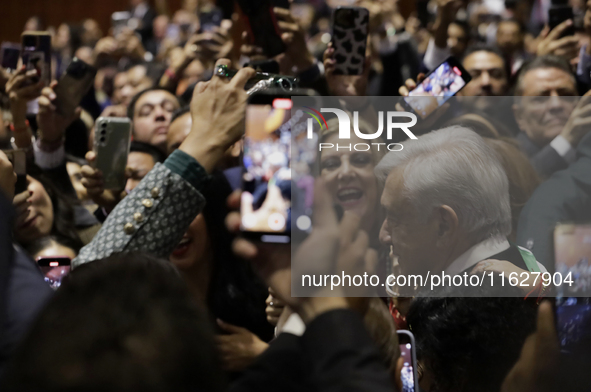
(564, 197)
(549, 130)
(23, 291)
(446, 197)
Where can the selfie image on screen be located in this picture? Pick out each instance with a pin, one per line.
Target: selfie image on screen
(407, 372)
(441, 84)
(266, 200)
(54, 275)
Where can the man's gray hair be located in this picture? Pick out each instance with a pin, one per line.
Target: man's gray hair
(454, 166)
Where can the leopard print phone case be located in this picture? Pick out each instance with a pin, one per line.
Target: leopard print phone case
(349, 39)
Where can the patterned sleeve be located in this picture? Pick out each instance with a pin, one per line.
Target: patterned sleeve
(152, 218)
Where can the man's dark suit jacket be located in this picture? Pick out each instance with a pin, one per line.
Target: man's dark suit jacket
(545, 160)
(334, 354)
(564, 197)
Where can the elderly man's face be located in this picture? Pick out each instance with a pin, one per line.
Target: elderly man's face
(414, 242)
(546, 105)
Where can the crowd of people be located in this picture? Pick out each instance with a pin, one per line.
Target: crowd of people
(163, 293)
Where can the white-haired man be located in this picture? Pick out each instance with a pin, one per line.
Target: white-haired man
(446, 197)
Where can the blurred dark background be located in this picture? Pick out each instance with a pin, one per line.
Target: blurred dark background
(14, 13)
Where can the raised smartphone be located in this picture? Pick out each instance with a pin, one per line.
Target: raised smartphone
(54, 269)
(261, 80)
(36, 54)
(112, 137)
(408, 374)
(558, 14)
(261, 23)
(439, 85)
(266, 180)
(349, 39)
(11, 52)
(73, 85)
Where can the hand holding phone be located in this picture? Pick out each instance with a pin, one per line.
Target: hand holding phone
(558, 14)
(262, 26)
(344, 85)
(439, 85)
(72, 86)
(22, 87)
(261, 80)
(350, 26)
(112, 138)
(558, 42)
(36, 54)
(52, 123)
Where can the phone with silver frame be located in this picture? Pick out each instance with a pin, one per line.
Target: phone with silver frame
(112, 138)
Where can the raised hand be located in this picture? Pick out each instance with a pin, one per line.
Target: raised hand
(217, 110)
(52, 125)
(552, 43)
(239, 347)
(92, 180)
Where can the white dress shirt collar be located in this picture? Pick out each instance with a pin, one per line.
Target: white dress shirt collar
(481, 251)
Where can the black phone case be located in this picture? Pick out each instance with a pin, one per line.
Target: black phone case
(349, 41)
(557, 15)
(262, 24)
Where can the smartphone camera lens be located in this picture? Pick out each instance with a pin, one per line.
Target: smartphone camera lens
(104, 125)
(102, 139)
(284, 84)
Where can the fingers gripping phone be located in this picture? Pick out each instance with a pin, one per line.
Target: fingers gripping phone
(112, 138)
(572, 250)
(439, 85)
(408, 373)
(558, 14)
(349, 39)
(73, 85)
(36, 54)
(54, 269)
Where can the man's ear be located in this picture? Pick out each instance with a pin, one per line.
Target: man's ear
(398, 373)
(448, 224)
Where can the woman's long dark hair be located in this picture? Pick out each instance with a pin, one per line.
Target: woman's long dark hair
(236, 294)
(63, 212)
